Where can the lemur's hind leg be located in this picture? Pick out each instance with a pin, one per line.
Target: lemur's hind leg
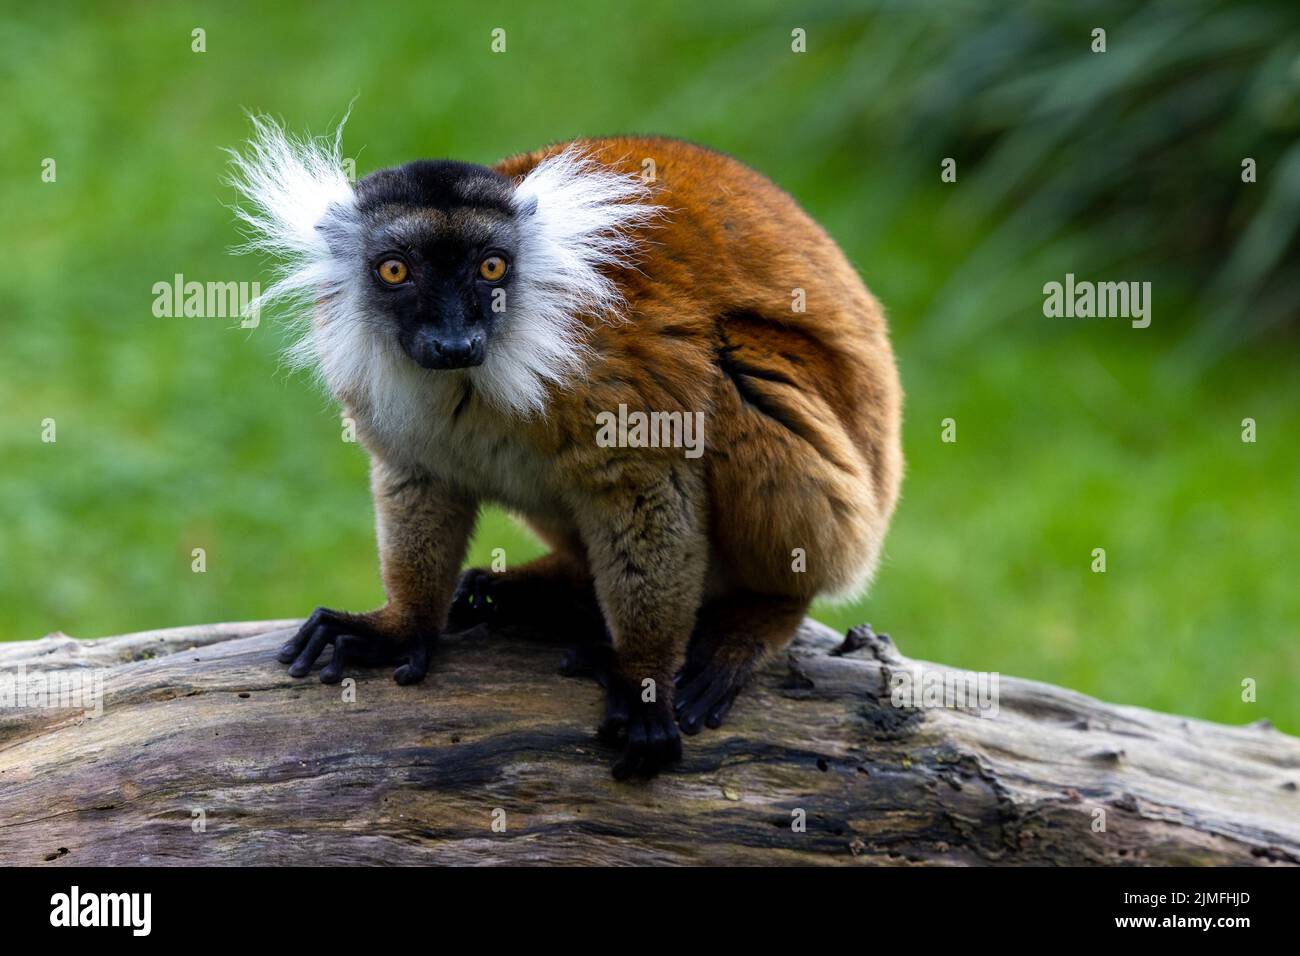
(552, 598)
(541, 595)
(734, 634)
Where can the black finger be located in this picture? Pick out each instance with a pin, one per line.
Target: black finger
(346, 647)
(294, 645)
(322, 636)
(698, 700)
(634, 754)
(417, 664)
(721, 709)
(613, 729)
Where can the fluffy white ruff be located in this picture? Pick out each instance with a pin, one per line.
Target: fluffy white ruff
(575, 216)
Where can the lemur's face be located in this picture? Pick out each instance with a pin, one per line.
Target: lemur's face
(439, 241)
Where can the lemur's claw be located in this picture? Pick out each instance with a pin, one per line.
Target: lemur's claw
(704, 696)
(355, 643)
(474, 602)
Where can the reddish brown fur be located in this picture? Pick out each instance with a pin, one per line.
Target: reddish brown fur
(719, 275)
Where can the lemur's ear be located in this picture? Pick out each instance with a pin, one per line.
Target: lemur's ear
(527, 206)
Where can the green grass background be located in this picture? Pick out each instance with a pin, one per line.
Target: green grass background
(182, 433)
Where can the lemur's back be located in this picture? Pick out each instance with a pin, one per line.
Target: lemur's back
(741, 306)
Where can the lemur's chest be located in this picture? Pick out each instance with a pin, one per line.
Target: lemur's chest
(469, 444)
(496, 466)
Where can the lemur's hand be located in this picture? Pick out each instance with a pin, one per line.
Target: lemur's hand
(364, 640)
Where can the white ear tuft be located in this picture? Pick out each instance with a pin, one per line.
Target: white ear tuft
(297, 206)
(576, 221)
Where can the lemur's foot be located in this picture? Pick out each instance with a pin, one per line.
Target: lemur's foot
(646, 731)
(706, 690)
(474, 601)
(357, 642)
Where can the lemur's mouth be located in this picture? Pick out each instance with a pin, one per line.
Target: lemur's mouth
(445, 364)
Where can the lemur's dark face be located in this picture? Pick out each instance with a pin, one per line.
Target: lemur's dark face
(439, 240)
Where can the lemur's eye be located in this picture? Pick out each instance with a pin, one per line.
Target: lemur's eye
(393, 271)
(493, 268)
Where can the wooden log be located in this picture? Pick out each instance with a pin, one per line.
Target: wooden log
(207, 752)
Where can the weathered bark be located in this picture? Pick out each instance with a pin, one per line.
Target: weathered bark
(286, 771)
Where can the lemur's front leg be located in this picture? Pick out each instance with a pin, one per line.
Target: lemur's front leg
(647, 547)
(424, 528)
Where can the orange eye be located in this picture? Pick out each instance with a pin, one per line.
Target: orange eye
(492, 268)
(393, 271)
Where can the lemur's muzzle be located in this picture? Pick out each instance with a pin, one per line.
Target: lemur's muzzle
(435, 349)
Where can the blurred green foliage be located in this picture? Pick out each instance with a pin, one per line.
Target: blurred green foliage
(1072, 434)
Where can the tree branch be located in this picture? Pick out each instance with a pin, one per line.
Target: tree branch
(201, 726)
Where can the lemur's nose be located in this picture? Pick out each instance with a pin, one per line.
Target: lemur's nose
(459, 352)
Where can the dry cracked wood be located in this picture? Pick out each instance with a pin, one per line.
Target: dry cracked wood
(202, 720)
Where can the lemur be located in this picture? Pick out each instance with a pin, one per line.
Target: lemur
(475, 322)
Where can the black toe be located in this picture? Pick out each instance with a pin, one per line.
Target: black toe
(704, 697)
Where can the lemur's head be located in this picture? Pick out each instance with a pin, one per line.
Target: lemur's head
(440, 265)
(438, 240)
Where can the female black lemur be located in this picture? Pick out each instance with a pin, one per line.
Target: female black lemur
(477, 321)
